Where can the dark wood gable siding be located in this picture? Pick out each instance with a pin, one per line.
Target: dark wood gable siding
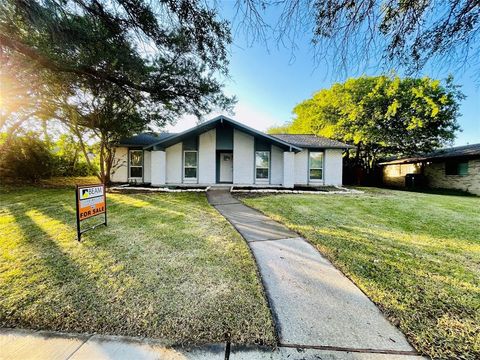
(224, 137)
(190, 143)
(262, 145)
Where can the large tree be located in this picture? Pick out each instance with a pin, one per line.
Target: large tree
(111, 67)
(357, 34)
(108, 116)
(382, 115)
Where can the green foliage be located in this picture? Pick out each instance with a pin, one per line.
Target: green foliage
(167, 53)
(27, 158)
(69, 160)
(281, 129)
(110, 68)
(383, 115)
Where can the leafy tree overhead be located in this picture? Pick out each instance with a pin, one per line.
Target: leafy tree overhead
(350, 32)
(382, 115)
(167, 51)
(111, 66)
(108, 116)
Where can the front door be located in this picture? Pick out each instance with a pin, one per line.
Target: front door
(226, 167)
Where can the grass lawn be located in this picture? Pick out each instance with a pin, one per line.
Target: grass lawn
(168, 266)
(416, 255)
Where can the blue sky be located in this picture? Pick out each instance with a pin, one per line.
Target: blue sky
(268, 83)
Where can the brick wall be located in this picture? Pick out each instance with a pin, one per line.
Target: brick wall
(394, 175)
(435, 173)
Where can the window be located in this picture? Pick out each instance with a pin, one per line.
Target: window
(262, 165)
(316, 165)
(455, 167)
(190, 164)
(136, 163)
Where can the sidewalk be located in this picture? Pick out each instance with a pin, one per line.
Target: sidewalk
(313, 303)
(43, 345)
(40, 345)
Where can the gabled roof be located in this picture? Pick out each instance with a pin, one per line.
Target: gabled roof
(466, 151)
(143, 139)
(312, 141)
(211, 124)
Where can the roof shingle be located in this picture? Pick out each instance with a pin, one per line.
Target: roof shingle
(472, 150)
(311, 141)
(143, 139)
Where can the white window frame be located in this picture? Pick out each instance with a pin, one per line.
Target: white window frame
(267, 179)
(135, 166)
(316, 168)
(190, 167)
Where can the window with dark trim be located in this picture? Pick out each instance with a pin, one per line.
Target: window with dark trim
(190, 164)
(262, 165)
(316, 165)
(455, 167)
(136, 164)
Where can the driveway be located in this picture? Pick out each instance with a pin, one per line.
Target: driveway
(314, 305)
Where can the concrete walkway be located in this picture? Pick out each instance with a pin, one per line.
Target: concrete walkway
(43, 345)
(314, 305)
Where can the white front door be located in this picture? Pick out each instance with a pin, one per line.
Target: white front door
(226, 167)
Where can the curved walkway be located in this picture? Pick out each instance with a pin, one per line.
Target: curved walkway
(314, 305)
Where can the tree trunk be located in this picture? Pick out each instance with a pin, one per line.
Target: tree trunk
(102, 159)
(106, 159)
(74, 160)
(76, 131)
(108, 165)
(357, 155)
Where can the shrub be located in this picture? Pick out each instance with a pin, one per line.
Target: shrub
(29, 158)
(26, 157)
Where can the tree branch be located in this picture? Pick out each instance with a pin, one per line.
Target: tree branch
(46, 63)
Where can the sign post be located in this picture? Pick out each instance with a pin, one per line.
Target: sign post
(91, 200)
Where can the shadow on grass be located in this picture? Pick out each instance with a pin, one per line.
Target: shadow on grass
(164, 267)
(40, 308)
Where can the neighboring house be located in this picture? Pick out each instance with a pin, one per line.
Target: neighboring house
(453, 168)
(223, 151)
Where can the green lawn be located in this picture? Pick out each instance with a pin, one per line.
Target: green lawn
(168, 266)
(416, 255)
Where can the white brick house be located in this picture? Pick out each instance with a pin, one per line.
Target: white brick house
(223, 151)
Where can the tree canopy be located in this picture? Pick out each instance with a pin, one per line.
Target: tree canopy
(382, 115)
(349, 33)
(167, 51)
(110, 67)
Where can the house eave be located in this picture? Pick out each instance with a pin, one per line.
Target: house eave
(414, 160)
(211, 124)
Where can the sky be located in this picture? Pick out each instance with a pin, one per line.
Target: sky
(268, 82)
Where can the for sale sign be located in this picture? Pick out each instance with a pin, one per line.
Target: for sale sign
(91, 201)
